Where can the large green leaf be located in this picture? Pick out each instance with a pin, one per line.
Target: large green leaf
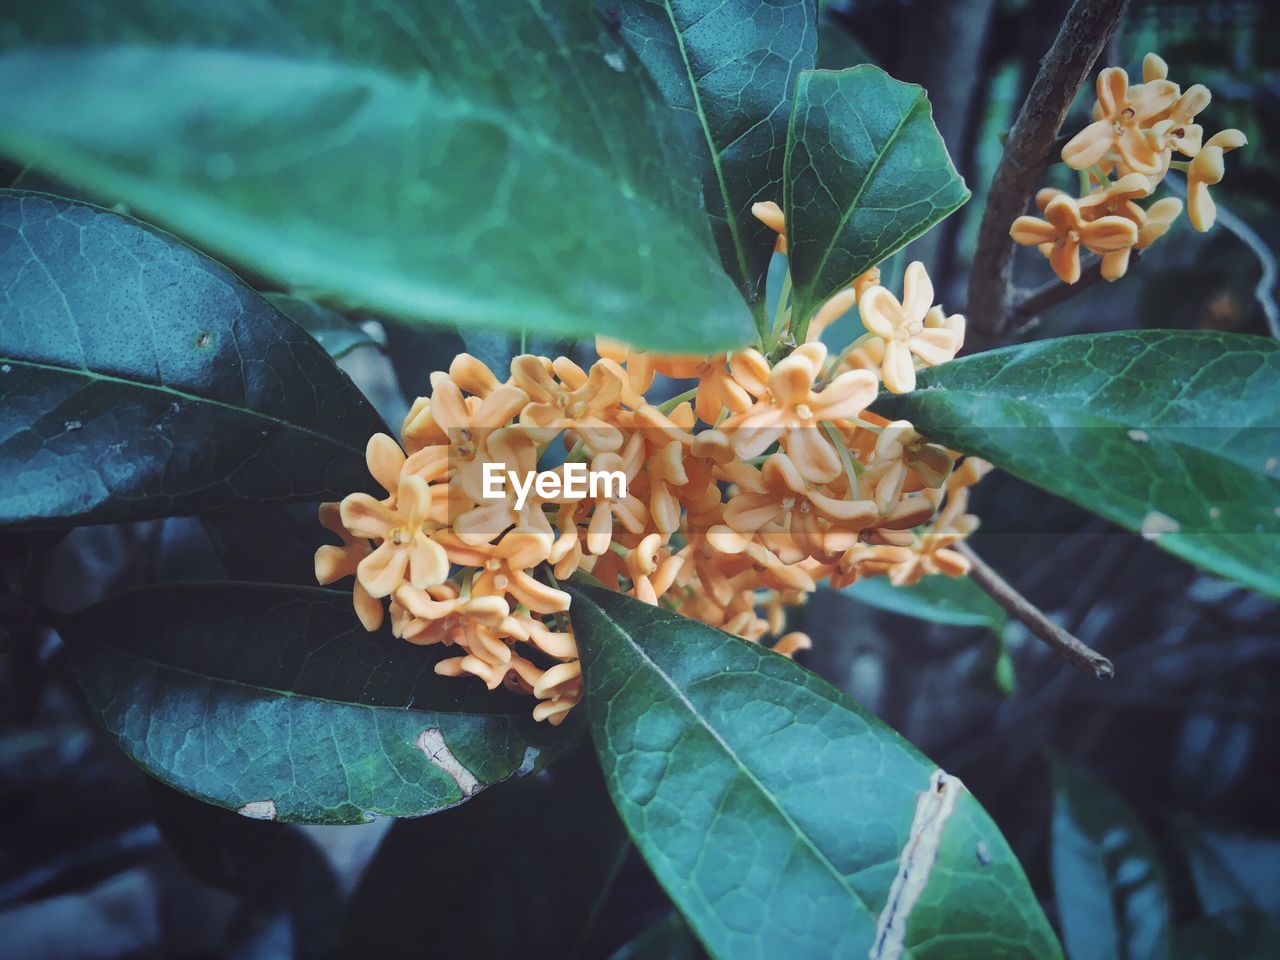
(274, 701)
(1172, 433)
(956, 601)
(866, 173)
(542, 852)
(729, 68)
(141, 379)
(782, 818)
(504, 165)
(338, 335)
(1108, 884)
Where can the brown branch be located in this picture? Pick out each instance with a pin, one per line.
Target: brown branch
(1085, 31)
(1075, 650)
(1029, 305)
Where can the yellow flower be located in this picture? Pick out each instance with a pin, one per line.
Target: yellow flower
(1121, 115)
(790, 410)
(783, 497)
(510, 449)
(1118, 199)
(405, 548)
(903, 329)
(1176, 131)
(1206, 170)
(504, 567)
(1064, 230)
(333, 563)
(562, 396)
(630, 509)
(841, 303)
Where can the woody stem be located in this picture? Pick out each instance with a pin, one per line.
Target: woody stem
(1088, 26)
(1030, 305)
(1031, 616)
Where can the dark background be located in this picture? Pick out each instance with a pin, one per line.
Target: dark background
(96, 860)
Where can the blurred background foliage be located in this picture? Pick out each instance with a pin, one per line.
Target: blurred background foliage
(1143, 809)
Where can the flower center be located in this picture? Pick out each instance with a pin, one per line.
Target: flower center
(803, 411)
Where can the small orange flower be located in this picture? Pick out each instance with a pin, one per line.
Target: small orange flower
(1206, 170)
(903, 329)
(790, 410)
(1122, 113)
(1064, 230)
(406, 547)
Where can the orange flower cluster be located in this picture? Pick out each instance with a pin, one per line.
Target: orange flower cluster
(742, 495)
(1123, 155)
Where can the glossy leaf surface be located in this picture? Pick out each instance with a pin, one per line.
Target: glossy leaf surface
(275, 702)
(1175, 434)
(781, 817)
(140, 379)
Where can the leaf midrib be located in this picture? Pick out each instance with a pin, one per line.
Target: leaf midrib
(731, 215)
(732, 754)
(853, 204)
(93, 375)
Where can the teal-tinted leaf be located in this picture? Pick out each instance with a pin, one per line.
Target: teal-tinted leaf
(668, 939)
(338, 335)
(274, 701)
(270, 544)
(782, 818)
(504, 165)
(141, 379)
(518, 872)
(866, 173)
(728, 68)
(957, 601)
(1172, 433)
(1108, 884)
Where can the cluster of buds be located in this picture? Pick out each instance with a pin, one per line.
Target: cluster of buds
(1122, 157)
(741, 495)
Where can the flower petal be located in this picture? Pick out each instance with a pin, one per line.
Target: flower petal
(1030, 231)
(812, 453)
(383, 570)
(846, 396)
(880, 312)
(898, 369)
(367, 517)
(385, 460)
(917, 292)
(1089, 145)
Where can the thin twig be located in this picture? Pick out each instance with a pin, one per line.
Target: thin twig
(1085, 31)
(1030, 305)
(1075, 650)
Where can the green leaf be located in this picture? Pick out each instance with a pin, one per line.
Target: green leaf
(956, 601)
(729, 69)
(504, 166)
(1172, 433)
(140, 379)
(782, 818)
(1108, 884)
(866, 173)
(274, 701)
(518, 872)
(338, 335)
